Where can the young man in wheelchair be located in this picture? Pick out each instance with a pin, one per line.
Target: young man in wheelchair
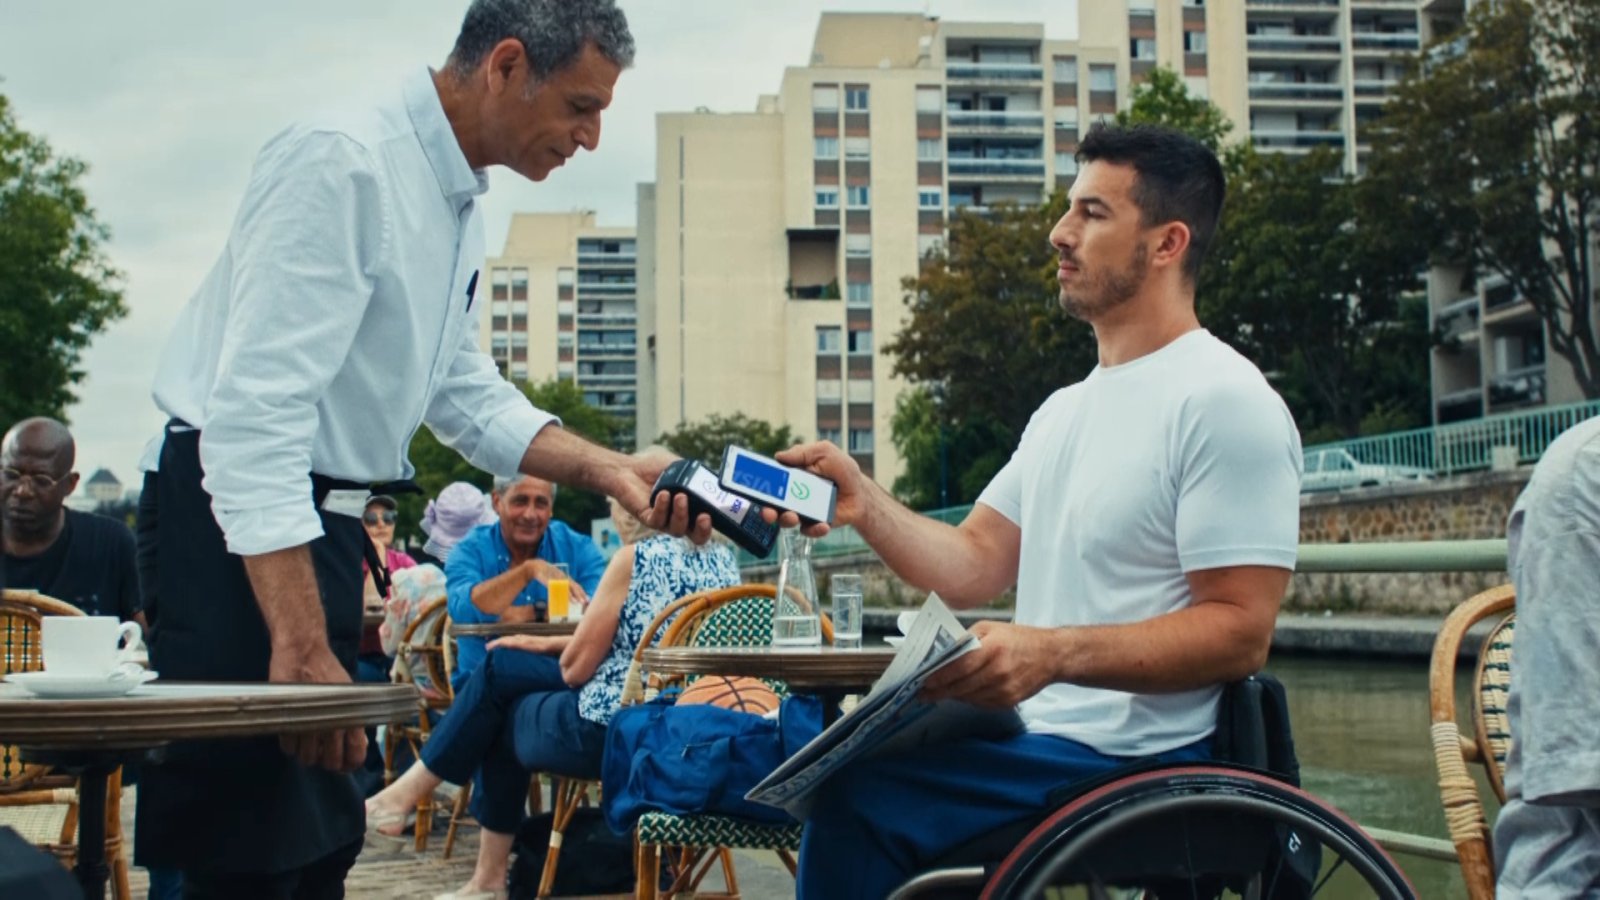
(1149, 519)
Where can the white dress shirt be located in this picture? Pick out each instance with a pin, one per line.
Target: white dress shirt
(338, 320)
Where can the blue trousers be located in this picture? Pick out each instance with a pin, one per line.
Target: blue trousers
(880, 821)
(514, 716)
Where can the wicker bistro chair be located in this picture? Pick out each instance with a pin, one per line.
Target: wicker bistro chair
(731, 617)
(1490, 741)
(422, 659)
(40, 803)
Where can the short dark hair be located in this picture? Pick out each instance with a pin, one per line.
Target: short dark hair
(1179, 179)
(552, 33)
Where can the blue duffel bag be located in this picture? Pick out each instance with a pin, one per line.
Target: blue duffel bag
(696, 759)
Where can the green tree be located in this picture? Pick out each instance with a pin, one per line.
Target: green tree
(1491, 147)
(437, 465)
(985, 321)
(704, 440)
(57, 290)
(1163, 99)
(947, 463)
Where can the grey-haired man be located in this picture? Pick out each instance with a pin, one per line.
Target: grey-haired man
(339, 318)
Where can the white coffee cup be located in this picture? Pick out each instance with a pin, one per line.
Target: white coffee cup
(87, 646)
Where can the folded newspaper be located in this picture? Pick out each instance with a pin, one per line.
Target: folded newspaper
(891, 717)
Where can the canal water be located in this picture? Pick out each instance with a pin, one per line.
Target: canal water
(1361, 732)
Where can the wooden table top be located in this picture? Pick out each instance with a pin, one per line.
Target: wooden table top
(805, 669)
(501, 629)
(161, 712)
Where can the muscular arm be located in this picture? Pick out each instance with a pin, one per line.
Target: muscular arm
(1222, 636)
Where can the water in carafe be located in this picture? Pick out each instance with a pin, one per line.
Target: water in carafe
(796, 615)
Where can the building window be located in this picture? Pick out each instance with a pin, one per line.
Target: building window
(1102, 78)
(1194, 42)
(1066, 163)
(928, 99)
(500, 308)
(860, 390)
(519, 339)
(827, 198)
(564, 340)
(1142, 48)
(858, 245)
(1066, 70)
(929, 243)
(1067, 118)
(828, 337)
(825, 98)
(929, 150)
(565, 277)
(827, 148)
(498, 343)
(828, 390)
(859, 196)
(857, 148)
(858, 293)
(831, 435)
(929, 200)
(855, 98)
(861, 440)
(1198, 86)
(861, 341)
(519, 371)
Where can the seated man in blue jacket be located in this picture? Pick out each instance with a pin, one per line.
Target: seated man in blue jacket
(498, 572)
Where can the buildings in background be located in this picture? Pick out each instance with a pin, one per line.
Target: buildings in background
(772, 244)
(562, 304)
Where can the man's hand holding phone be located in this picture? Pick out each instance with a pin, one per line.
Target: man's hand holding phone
(824, 458)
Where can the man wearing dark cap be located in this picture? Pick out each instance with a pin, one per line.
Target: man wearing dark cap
(81, 558)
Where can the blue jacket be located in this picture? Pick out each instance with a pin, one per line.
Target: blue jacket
(483, 554)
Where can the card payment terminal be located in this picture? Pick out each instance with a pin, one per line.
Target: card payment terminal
(733, 515)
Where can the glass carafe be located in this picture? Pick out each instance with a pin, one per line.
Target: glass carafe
(796, 615)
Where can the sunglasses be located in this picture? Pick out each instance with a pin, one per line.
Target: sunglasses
(371, 517)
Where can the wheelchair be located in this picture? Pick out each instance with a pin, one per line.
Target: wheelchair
(1238, 826)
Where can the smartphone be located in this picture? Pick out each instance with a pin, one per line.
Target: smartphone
(733, 515)
(765, 480)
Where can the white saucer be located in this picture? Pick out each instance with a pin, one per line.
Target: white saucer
(55, 686)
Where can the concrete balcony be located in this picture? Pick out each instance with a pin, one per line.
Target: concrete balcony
(1322, 6)
(609, 320)
(1377, 90)
(1385, 42)
(1296, 93)
(607, 259)
(1295, 138)
(604, 351)
(996, 169)
(1323, 45)
(607, 287)
(973, 73)
(974, 122)
(1518, 387)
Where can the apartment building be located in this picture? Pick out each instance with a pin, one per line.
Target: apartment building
(562, 304)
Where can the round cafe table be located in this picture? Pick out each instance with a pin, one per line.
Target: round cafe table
(91, 737)
(829, 672)
(502, 629)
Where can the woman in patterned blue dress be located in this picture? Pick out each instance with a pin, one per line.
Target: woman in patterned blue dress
(561, 730)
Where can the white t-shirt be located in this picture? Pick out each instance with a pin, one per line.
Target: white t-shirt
(1183, 459)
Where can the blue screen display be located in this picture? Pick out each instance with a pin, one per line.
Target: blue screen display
(760, 477)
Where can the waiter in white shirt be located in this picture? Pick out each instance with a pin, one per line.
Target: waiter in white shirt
(340, 317)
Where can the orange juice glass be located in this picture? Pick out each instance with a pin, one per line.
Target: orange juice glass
(559, 591)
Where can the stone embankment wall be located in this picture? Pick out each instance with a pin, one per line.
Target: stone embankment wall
(1464, 507)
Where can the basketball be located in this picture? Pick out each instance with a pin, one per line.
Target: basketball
(741, 694)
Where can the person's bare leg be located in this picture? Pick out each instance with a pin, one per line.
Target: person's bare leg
(494, 855)
(394, 801)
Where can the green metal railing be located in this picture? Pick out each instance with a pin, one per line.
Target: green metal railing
(1465, 446)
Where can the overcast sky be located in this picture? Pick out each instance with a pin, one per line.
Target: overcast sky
(168, 101)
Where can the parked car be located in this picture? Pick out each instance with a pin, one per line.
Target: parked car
(1335, 470)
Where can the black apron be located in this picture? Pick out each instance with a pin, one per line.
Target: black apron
(237, 806)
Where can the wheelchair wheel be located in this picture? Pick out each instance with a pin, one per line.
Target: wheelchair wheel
(1201, 831)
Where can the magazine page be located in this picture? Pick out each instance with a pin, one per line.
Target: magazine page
(890, 717)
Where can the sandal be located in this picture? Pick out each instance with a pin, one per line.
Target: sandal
(376, 822)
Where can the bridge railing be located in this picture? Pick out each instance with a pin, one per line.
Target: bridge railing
(1465, 446)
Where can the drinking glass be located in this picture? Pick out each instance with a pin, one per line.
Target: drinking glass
(796, 616)
(559, 592)
(846, 591)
